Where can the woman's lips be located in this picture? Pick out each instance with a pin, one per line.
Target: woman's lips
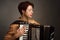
(30, 14)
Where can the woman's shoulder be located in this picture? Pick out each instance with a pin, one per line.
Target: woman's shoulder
(15, 23)
(35, 22)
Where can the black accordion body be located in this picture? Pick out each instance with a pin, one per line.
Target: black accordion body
(38, 32)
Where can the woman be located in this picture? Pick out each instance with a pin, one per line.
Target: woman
(26, 11)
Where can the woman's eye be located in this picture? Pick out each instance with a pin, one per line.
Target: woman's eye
(29, 10)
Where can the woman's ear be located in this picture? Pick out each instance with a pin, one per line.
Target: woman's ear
(23, 11)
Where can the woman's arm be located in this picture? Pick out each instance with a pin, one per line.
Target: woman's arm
(11, 32)
(14, 32)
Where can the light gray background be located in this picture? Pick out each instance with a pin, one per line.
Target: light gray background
(45, 12)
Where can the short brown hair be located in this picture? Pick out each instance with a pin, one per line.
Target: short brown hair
(24, 5)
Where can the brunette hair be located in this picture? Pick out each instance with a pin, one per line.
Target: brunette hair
(23, 6)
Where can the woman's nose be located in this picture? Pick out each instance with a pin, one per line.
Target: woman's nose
(32, 11)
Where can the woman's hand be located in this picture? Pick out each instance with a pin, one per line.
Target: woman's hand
(21, 31)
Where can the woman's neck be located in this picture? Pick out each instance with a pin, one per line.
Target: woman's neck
(24, 18)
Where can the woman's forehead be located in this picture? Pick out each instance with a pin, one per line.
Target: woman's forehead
(29, 7)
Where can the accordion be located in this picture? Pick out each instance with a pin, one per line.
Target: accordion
(42, 32)
(37, 32)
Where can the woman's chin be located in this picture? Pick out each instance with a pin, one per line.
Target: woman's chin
(30, 17)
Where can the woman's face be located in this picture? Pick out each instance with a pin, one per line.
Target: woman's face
(29, 11)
